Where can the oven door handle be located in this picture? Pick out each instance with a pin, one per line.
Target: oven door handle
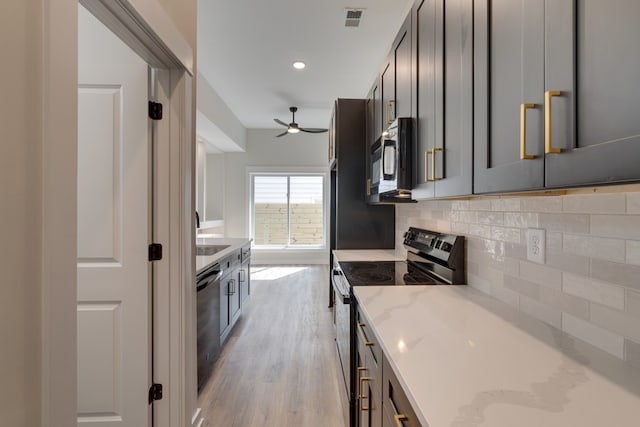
(337, 283)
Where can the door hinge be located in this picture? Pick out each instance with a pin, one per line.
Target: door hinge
(155, 110)
(155, 393)
(155, 252)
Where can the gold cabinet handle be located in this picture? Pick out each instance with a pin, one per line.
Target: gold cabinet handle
(368, 186)
(523, 132)
(433, 165)
(426, 165)
(361, 395)
(363, 336)
(399, 418)
(548, 147)
(390, 104)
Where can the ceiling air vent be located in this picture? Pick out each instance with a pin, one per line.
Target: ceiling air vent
(353, 17)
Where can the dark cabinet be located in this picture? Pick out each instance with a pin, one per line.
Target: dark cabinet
(374, 113)
(509, 95)
(396, 77)
(368, 373)
(244, 276)
(396, 408)
(444, 104)
(230, 294)
(555, 94)
(592, 61)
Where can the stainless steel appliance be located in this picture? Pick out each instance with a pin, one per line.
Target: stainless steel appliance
(208, 321)
(391, 164)
(432, 259)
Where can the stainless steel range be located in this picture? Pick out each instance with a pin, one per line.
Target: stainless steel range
(432, 259)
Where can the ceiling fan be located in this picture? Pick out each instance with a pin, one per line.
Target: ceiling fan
(293, 127)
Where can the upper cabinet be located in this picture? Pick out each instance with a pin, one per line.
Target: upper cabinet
(396, 77)
(592, 95)
(555, 94)
(444, 104)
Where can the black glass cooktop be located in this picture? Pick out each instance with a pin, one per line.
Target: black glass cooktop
(374, 273)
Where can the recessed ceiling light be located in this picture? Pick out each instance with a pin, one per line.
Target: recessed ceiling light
(299, 65)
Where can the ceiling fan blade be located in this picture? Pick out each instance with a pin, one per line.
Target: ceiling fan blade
(313, 130)
(283, 133)
(280, 122)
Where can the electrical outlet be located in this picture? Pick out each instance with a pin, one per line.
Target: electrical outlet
(536, 245)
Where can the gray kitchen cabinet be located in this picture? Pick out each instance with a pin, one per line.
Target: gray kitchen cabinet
(244, 276)
(592, 66)
(396, 77)
(508, 95)
(229, 294)
(396, 408)
(374, 113)
(368, 375)
(556, 94)
(444, 104)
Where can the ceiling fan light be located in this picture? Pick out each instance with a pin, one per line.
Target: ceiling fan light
(299, 65)
(293, 129)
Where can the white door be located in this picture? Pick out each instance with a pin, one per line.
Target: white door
(114, 369)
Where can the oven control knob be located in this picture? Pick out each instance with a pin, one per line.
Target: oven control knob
(446, 246)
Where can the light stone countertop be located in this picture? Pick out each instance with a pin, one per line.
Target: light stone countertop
(203, 261)
(365, 255)
(466, 360)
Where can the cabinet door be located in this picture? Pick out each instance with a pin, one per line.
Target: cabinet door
(374, 113)
(224, 306)
(508, 74)
(444, 57)
(234, 297)
(388, 92)
(593, 61)
(244, 281)
(403, 71)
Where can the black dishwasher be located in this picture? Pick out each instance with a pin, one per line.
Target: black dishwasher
(208, 321)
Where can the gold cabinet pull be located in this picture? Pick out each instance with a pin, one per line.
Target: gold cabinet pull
(523, 132)
(361, 395)
(363, 336)
(390, 104)
(433, 165)
(368, 186)
(426, 165)
(548, 147)
(399, 418)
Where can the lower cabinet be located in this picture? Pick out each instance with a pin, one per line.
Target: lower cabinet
(368, 376)
(381, 401)
(244, 279)
(396, 409)
(229, 294)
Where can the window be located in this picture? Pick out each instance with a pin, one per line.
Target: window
(288, 210)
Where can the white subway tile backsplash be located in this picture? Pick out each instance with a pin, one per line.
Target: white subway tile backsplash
(505, 205)
(594, 335)
(522, 287)
(505, 234)
(459, 228)
(595, 247)
(460, 205)
(632, 306)
(621, 226)
(479, 283)
(480, 204)
(522, 220)
(554, 241)
(541, 311)
(599, 292)
(569, 223)
(596, 203)
(545, 276)
(576, 264)
(483, 231)
(491, 218)
(617, 273)
(499, 291)
(616, 321)
(633, 252)
(542, 204)
(633, 203)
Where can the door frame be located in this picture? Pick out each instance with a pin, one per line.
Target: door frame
(145, 27)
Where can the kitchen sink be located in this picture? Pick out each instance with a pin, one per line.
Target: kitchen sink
(208, 250)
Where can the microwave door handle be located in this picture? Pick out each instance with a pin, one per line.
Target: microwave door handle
(385, 170)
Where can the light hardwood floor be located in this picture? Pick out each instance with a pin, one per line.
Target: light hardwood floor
(279, 367)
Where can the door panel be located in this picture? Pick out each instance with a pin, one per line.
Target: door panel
(508, 61)
(599, 94)
(403, 73)
(113, 231)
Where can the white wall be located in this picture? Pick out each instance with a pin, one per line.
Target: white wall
(215, 184)
(264, 149)
(38, 119)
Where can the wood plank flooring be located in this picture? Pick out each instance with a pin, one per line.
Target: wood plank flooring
(279, 367)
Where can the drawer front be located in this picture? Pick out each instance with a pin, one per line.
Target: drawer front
(397, 410)
(365, 334)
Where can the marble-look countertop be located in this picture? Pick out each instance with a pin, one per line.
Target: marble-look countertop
(203, 261)
(365, 255)
(466, 360)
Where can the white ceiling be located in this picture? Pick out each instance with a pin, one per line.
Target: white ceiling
(246, 48)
